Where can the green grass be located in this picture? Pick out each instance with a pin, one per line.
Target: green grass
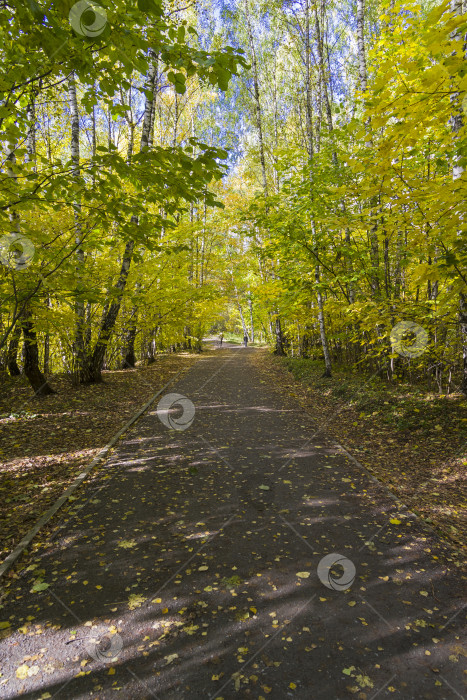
(403, 406)
(237, 338)
(233, 338)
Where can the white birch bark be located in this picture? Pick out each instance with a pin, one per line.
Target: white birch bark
(363, 75)
(362, 68)
(309, 121)
(79, 359)
(256, 93)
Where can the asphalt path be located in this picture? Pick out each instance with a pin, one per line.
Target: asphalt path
(229, 549)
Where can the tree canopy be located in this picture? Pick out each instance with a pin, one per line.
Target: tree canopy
(294, 170)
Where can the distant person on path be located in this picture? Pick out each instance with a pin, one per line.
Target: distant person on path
(245, 340)
(221, 338)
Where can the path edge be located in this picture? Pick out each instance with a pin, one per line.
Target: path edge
(402, 507)
(29, 536)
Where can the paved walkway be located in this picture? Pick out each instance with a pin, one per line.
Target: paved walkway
(197, 567)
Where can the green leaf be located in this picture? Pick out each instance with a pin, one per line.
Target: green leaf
(150, 6)
(39, 586)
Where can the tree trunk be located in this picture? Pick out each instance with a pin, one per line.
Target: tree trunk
(279, 349)
(457, 122)
(94, 373)
(252, 327)
(457, 116)
(363, 75)
(245, 329)
(153, 109)
(12, 352)
(309, 97)
(31, 140)
(31, 359)
(151, 354)
(311, 154)
(94, 141)
(128, 351)
(463, 329)
(362, 69)
(79, 354)
(327, 104)
(259, 125)
(129, 357)
(258, 109)
(46, 363)
(322, 327)
(30, 350)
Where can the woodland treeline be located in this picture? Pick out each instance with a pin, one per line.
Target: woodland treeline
(295, 169)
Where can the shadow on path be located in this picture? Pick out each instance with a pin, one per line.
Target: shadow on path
(191, 568)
